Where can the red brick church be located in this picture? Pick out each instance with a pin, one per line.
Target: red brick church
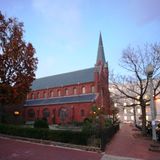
(70, 96)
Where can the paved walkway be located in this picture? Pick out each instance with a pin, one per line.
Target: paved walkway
(129, 142)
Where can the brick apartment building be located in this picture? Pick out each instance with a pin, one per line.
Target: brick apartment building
(70, 96)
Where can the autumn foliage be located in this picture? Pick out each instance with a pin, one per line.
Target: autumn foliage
(17, 63)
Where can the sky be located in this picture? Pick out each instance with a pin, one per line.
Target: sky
(65, 33)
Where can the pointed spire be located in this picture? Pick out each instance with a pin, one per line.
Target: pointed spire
(100, 54)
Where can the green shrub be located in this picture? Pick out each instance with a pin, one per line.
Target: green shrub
(12, 119)
(77, 124)
(108, 122)
(87, 126)
(91, 127)
(73, 137)
(40, 123)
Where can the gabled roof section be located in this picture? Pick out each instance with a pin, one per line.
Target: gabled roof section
(61, 100)
(100, 54)
(81, 76)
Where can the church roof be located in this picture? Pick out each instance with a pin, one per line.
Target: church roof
(61, 100)
(100, 54)
(81, 76)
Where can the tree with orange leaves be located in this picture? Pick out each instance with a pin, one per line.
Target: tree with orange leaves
(17, 64)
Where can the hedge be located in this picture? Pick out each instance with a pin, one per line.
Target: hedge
(65, 136)
(73, 137)
(40, 123)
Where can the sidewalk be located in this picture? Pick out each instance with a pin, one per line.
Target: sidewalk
(128, 142)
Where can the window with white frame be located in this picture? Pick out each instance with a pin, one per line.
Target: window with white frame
(132, 118)
(125, 111)
(52, 94)
(147, 118)
(83, 90)
(66, 92)
(92, 89)
(74, 90)
(59, 93)
(125, 118)
(115, 104)
(138, 110)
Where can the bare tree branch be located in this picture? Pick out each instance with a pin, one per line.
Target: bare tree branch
(134, 85)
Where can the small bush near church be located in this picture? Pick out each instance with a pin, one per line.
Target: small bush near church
(108, 122)
(88, 127)
(40, 123)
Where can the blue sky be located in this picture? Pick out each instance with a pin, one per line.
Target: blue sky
(65, 33)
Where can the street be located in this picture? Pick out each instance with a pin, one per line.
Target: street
(12, 149)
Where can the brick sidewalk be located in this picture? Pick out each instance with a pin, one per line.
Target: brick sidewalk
(129, 142)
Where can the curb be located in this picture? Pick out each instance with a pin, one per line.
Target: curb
(111, 157)
(155, 147)
(53, 143)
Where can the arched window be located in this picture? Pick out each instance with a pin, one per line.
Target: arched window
(83, 90)
(59, 93)
(27, 96)
(92, 89)
(45, 94)
(46, 113)
(74, 90)
(31, 113)
(52, 93)
(32, 96)
(66, 92)
(63, 114)
(38, 95)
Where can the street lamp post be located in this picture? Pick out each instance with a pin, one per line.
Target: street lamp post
(149, 71)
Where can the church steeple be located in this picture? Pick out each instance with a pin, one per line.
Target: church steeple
(100, 53)
(101, 78)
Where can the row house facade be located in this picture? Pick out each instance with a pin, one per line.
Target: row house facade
(130, 113)
(70, 96)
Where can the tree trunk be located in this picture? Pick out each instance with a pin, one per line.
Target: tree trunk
(143, 108)
(1, 112)
(134, 113)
